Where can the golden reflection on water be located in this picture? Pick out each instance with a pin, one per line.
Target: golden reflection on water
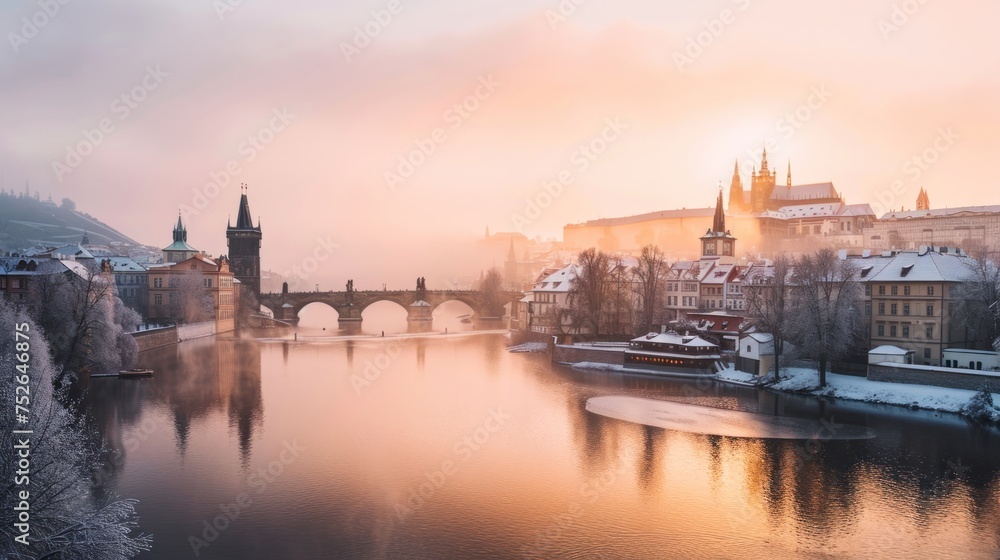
(448, 446)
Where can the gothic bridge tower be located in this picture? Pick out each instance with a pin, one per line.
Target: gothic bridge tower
(243, 241)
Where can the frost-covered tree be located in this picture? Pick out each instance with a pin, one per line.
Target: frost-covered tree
(978, 300)
(650, 275)
(88, 325)
(588, 298)
(492, 288)
(768, 307)
(191, 302)
(66, 520)
(827, 298)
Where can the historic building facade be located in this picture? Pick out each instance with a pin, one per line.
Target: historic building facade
(243, 241)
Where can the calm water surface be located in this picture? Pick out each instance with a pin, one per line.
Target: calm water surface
(450, 447)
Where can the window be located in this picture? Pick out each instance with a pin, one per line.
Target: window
(881, 330)
(906, 309)
(893, 309)
(927, 353)
(157, 299)
(3, 283)
(906, 290)
(868, 290)
(906, 331)
(892, 330)
(881, 290)
(881, 308)
(930, 290)
(748, 348)
(868, 309)
(930, 310)
(895, 290)
(928, 331)
(157, 282)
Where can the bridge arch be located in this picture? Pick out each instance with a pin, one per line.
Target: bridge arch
(318, 314)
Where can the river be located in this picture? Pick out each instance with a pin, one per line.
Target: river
(448, 446)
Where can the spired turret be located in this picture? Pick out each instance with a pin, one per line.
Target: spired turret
(243, 241)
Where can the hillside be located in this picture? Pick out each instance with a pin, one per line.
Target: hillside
(27, 221)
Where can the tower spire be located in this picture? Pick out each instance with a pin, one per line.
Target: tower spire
(788, 182)
(719, 222)
(763, 162)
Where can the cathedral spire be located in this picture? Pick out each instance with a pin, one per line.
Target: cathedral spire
(788, 182)
(719, 222)
(763, 162)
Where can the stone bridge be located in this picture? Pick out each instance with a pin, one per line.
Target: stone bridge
(419, 305)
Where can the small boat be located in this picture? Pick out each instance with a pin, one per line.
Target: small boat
(135, 372)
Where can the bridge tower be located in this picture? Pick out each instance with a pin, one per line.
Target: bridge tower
(243, 241)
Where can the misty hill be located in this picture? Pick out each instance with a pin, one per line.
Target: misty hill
(26, 221)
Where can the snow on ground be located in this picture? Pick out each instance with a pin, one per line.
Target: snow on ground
(601, 366)
(806, 380)
(529, 347)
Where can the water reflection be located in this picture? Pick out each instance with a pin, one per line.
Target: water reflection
(554, 481)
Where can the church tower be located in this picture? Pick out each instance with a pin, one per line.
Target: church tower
(718, 242)
(736, 202)
(179, 250)
(762, 185)
(243, 241)
(923, 201)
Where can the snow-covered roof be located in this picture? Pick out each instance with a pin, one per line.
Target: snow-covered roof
(889, 350)
(763, 338)
(560, 281)
(716, 274)
(674, 338)
(924, 266)
(804, 192)
(941, 212)
(125, 264)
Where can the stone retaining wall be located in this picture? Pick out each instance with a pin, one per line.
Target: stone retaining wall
(573, 354)
(937, 376)
(155, 338)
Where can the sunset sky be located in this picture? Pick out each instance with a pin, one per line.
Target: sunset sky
(887, 81)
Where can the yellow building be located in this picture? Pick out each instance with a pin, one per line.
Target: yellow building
(195, 290)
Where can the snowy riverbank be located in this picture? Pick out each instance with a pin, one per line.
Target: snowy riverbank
(805, 380)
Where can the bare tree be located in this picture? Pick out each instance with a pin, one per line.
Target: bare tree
(493, 295)
(192, 302)
(767, 305)
(978, 301)
(589, 295)
(827, 295)
(66, 520)
(619, 317)
(650, 275)
(87, 323)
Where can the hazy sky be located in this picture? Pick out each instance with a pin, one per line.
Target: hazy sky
(670, 93)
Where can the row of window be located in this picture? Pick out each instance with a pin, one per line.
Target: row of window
(894, 309)
(905, 329)
(894, 290)
(15, 284)
(122, 279)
